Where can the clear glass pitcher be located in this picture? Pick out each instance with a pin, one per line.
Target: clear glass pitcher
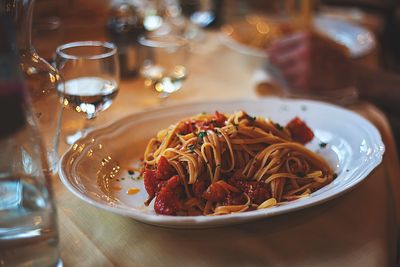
(42, 80)
(28, 219)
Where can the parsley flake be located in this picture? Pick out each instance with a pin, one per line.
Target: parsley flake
(136, 178)
(202, 134)
(322, 145)
(250, 118)
(278, 126)
(300, 174)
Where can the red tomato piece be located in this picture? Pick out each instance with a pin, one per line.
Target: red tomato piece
(169, 198)
(199, 186)
(215, 192)
(205, 125)
(220, 119)
(238, 175)
(150, 182)
(186, 127)
(300, 131)
(257, 191)
(164, 169)
(234, 199)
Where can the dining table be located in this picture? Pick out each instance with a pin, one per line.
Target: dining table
(357, 228)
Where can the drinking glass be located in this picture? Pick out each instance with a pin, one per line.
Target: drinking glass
(164, 63)
(90, 70)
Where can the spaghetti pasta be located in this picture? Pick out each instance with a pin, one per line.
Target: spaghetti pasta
(213, 164)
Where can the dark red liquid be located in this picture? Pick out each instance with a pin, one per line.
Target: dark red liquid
(11, 107)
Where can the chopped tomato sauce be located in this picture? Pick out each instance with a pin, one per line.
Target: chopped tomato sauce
(215, 192)
(154, 178)
(300, 131)
(169, 198)
(189, 126)
(257, 191)
(162, 182)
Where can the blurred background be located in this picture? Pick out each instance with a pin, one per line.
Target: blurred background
(61, 21)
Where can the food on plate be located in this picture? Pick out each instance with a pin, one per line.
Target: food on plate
(259, 32)
(213, 164)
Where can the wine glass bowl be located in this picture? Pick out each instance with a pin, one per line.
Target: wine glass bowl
(90, 70)
(164, 63)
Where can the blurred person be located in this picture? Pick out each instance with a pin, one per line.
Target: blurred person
(310, 63)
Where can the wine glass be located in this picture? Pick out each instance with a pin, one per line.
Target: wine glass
(164, 63)
(90, 70)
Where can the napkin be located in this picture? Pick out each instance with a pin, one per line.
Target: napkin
(266, 84)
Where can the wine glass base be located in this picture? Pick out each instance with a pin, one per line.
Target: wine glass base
(70, 139)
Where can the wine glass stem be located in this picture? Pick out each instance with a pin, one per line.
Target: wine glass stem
(163, 100)
(88, 125)
(89, 122)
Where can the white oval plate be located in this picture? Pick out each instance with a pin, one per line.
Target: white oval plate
(357, 39)
(90, 168)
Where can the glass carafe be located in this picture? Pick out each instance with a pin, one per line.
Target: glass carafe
(28, 221)
(41, 78)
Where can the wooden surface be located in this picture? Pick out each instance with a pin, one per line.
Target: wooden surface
(356, 229)
(359, 228)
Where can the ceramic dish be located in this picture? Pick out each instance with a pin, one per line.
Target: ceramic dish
(91, 167)
(244, 36)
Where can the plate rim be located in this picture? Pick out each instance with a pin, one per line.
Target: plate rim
(229, 219)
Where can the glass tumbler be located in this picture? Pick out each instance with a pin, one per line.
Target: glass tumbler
(164, 63)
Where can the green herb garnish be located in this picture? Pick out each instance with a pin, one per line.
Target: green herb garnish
(136, 178)
(300, 174)
(335, 176)
(322, 145)
(131, 172)
(191, 147)
(250, 118)
(278, 126)
(202, 134)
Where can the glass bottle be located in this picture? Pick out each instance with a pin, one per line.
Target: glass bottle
(41, 79)
(28, 222)
(124, 26)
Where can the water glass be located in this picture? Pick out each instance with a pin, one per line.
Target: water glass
(164, 63)
(91, 73)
